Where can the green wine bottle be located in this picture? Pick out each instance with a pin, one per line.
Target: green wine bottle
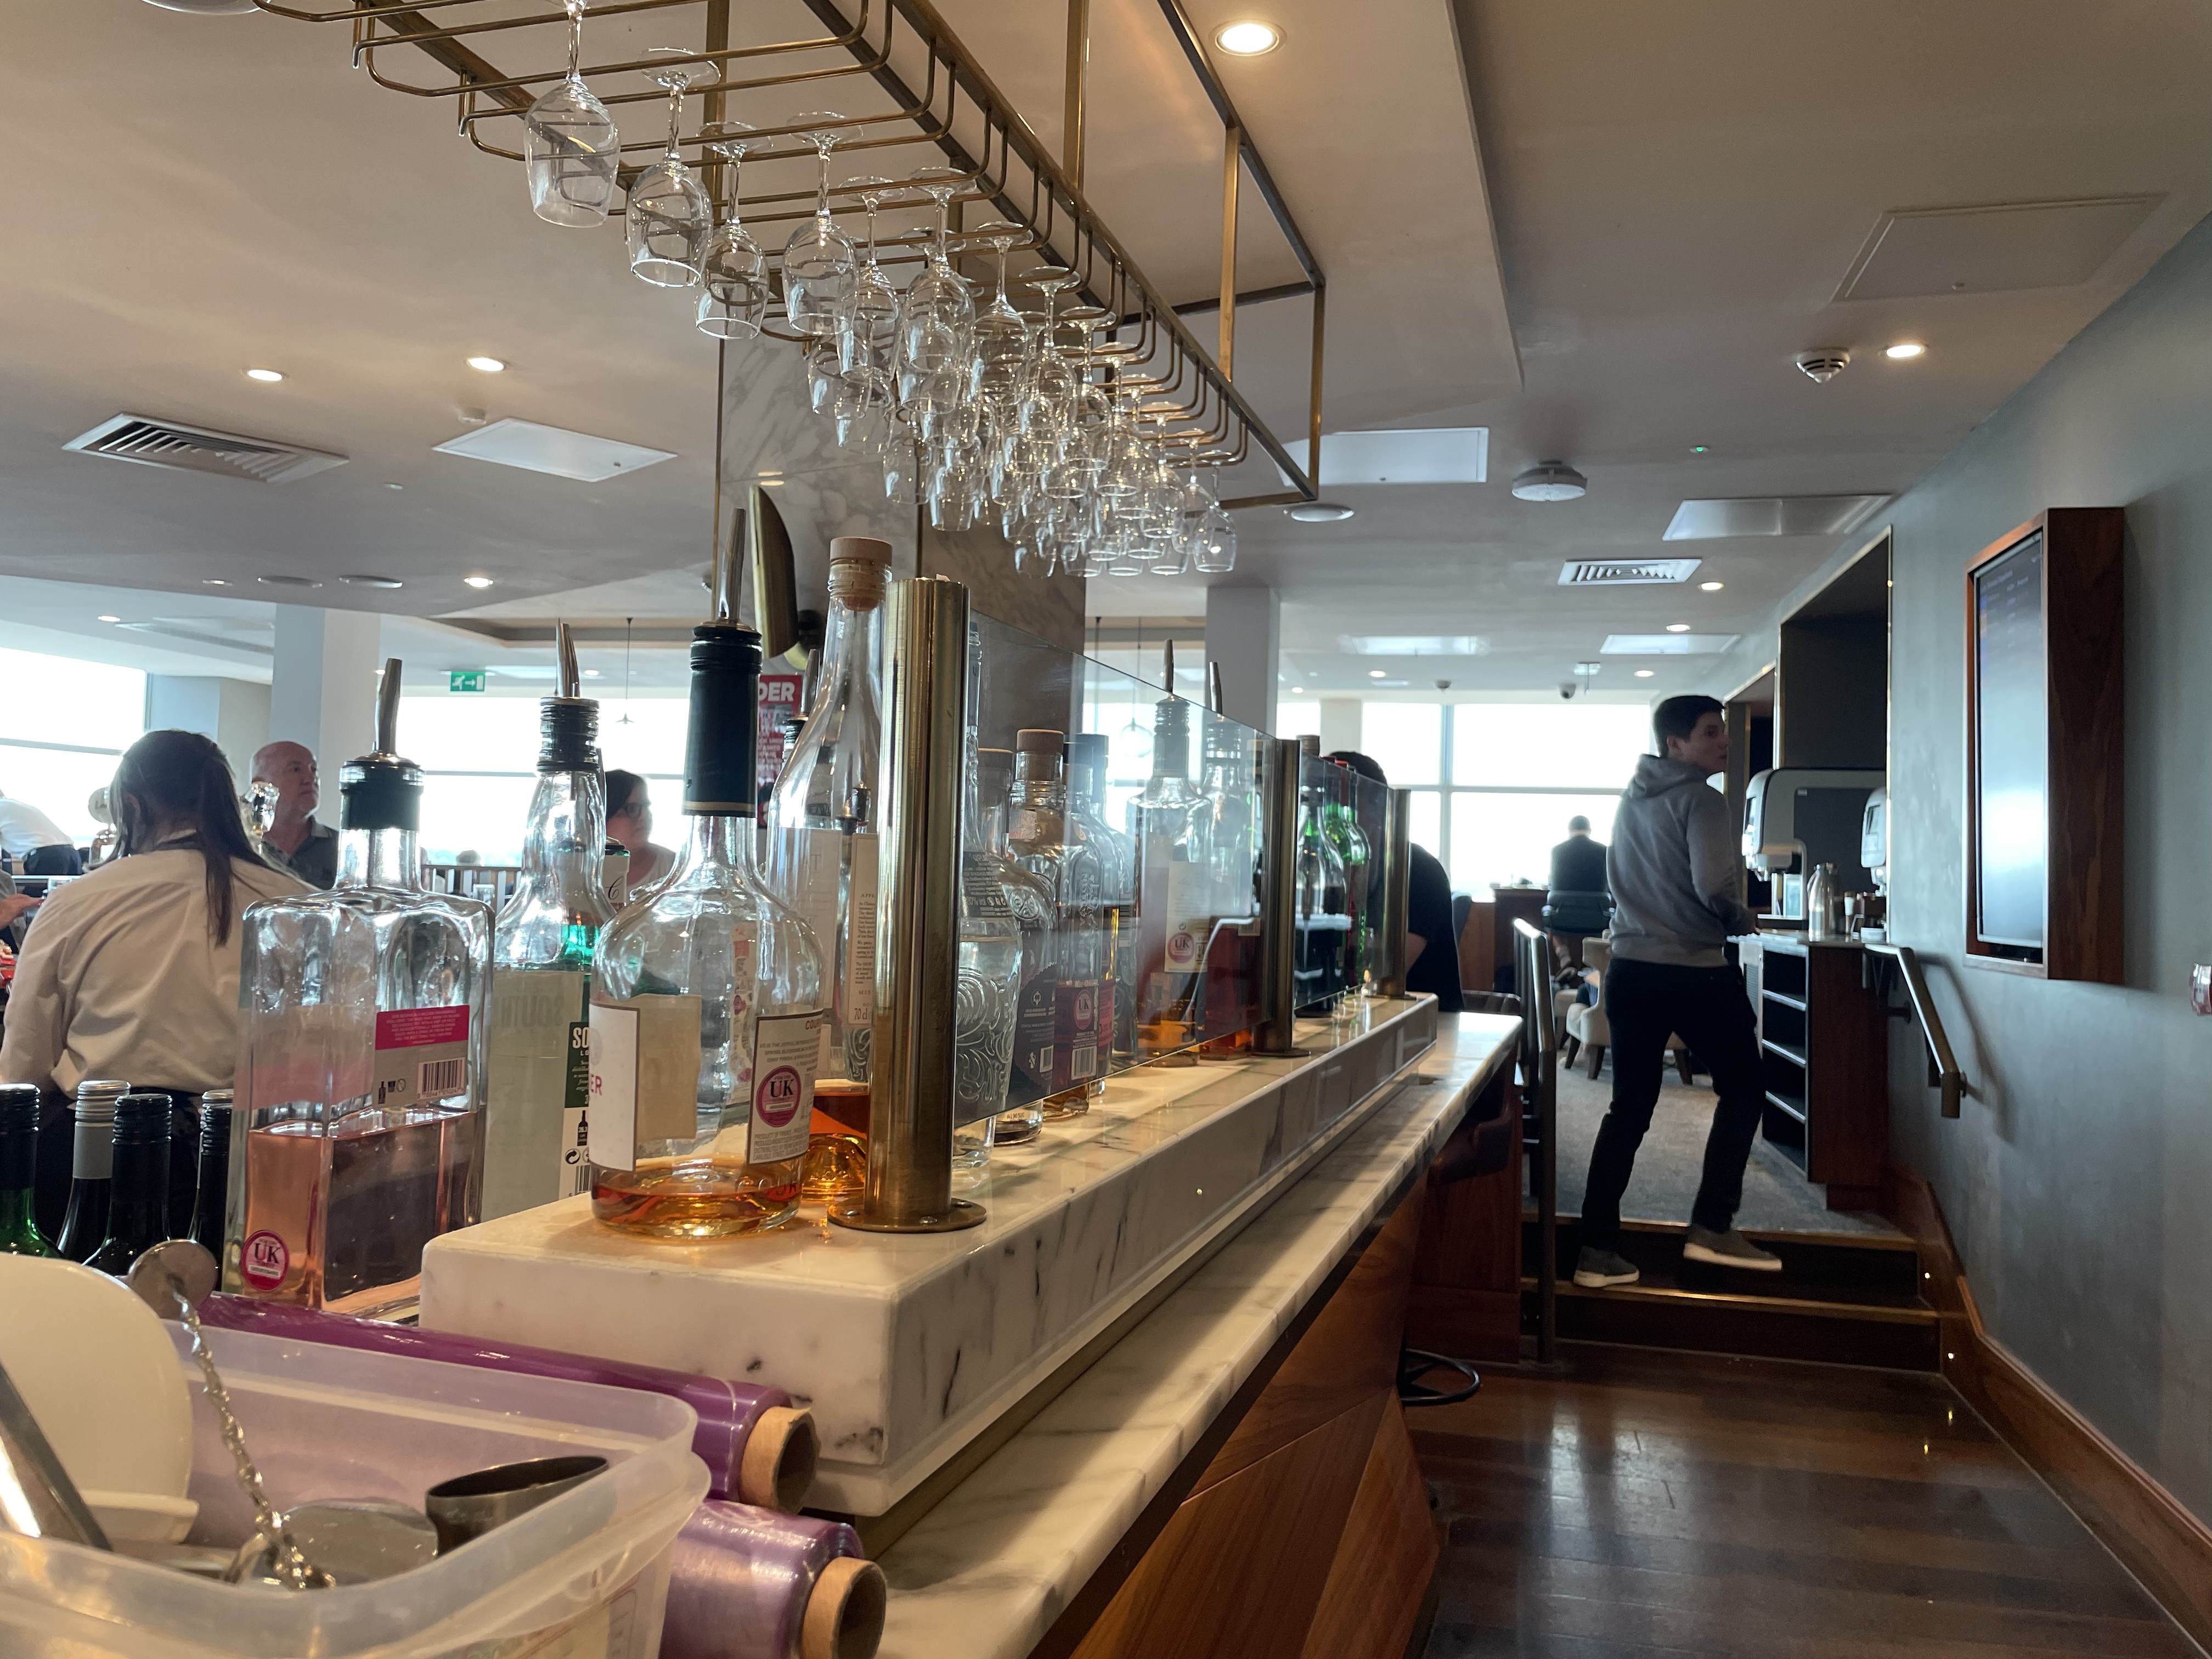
(19, 1168)
(138, 1200)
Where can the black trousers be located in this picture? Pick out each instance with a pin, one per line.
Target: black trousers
(1645, 1002)
(59, 860)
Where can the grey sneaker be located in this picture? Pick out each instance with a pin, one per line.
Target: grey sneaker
(1595, 1269)
(1728, 1249)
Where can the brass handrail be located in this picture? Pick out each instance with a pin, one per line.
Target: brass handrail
(1941, 1061)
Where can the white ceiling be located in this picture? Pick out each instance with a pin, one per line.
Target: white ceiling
(1600, 229)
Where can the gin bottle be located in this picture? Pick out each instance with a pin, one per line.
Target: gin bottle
(1030, 900)
(1177, 924)
(706, 997)
(541, 1067)
(358, 1125)
(1037, 840)
(987, 999)
(822, 848)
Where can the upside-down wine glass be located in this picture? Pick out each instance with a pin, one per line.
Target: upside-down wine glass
(999, 339)
(868, 321)
(570, 150)
(670, 216)
(818, 264)
(733, 269)
(936, 317)
(1213, 550)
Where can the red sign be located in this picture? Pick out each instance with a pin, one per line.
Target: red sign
(779, 707)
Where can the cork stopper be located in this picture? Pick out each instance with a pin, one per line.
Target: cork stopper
(860, 566)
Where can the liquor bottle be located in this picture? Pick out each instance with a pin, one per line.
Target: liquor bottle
(707, 997)
(19, 1171)
(1088, 753)
(987, 1001)
(1228, 830)
(1341, 824)
(212, 1193)
(614, 872)
(1321, 923)
(92, 1164)
(822, 849)
(138, 1207)
(1173, 903)
(1036, 1005)
(541, 965)
(1037, 840)
(365, 1011)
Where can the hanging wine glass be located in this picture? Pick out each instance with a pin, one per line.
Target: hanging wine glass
(670, 217)
(999, 339)
(868, 321)
(935, 317)
(818, 264)
(570, 150)
(1053, 381)
(1215, 549)
(734, 269)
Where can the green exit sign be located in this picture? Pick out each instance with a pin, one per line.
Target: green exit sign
(465, 679)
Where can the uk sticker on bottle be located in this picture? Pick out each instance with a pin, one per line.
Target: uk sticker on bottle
(786, 1048)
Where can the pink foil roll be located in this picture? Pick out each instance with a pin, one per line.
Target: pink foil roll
(739, 1580)
(728, 1411)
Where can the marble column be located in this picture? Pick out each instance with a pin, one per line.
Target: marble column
(1243, 633)
(322, 687)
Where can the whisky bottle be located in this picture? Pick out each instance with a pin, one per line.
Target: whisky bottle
(822, 849)
(707, 997)
(92, 1164)
(211, 1192)
(357, 1137)
(541, 1075)
(137, 1208)
(19, 1171)
(1036, 841)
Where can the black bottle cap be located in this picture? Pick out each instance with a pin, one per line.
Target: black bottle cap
(140, 1118)
(721, 749)
(381, 792)
(569, 735)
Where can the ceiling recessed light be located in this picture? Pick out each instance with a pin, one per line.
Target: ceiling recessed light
(1248, 39)
(1378, 673)
(1643, 673)
(1319, 512)
(487, 365)
(213, 582)
(1710, 587)
(109, 619)
(372, 582)
(1678, 628)
(270, 375)
(1550, 481)
(1298, 689)
(590, 673)
(1905, 349)
(476, 581)
(287, 581)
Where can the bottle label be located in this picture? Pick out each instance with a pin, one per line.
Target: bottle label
(264, 1260)
(91, 1150)
(820, 859)
(422, 1053)
(978, 880)
(786, 1051)
(575, 1174)
(1036, 1028)
(1079, 1029)
(644, 1056)
(538, 1082)
(1189, 925)
(856, 986)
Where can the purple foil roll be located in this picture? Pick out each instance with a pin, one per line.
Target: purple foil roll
(727, 1410)
(738, 1581)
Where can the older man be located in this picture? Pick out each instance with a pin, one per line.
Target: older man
(308, 849)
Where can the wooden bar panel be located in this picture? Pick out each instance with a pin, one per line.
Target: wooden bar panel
(1466, 1294)
(1390, 1547)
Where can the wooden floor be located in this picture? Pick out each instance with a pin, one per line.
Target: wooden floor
(1653, 1503)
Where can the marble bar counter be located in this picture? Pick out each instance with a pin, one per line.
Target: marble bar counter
(987, 1571)
(908, 1348)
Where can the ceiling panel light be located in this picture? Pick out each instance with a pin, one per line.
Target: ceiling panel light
(1550, 481)
(287, 581)
(1645, 673)
(1319, 512)
(372, 582)
(487, 365)
(552, 449)
(1710, 587)
(1443, 454)
(1905, 349)
(1772, 515)
(107, 619)
(270, 375)
(476, 581)
(1248, 39)
(1678, 628)
(590, 673)
(1414, 644)
(1298, 688)
(213, 582)
(1372, 673)
(1666, 645)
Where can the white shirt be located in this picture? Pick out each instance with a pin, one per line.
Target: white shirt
(23, 827)
(120, 978)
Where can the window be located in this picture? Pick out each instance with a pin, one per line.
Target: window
(68, 722)
(1494, 784)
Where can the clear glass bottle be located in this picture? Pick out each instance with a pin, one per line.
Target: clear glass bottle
(92, 1167)
(212, 1189)
(706, 997)
(1088, 755)
(1037, 840)
(535, 1146)
(1037, 1007)
(137, 1209)
(19, 1172)
(358, 1134)
(1177, 922)
(1322, 922)
(822, 851)
(988, 998)
(1341, 824)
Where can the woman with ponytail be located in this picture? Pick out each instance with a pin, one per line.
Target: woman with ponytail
(131, 972)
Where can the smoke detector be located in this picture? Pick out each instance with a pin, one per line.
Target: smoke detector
(1824, 365)
(1550, 481)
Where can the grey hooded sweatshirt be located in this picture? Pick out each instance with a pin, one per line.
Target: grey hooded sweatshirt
(1673, 867)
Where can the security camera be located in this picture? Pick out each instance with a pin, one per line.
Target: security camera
(1568, 687)
(1444, 685)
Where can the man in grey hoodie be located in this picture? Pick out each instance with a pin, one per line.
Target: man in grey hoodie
(1673, 869)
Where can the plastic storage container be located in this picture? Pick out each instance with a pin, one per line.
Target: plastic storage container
(585, 1576)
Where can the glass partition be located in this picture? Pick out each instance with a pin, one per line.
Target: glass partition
(1119, 828)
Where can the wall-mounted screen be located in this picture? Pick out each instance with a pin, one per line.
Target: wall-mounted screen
(2012, 747)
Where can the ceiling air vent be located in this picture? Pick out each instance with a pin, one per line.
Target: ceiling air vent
(1608, 573)
(196, 449)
